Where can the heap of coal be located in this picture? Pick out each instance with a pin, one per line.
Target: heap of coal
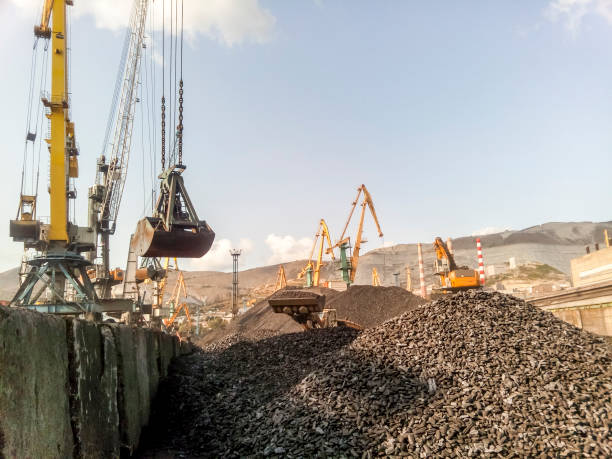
(370, 306)
(362, 304)
(474, 374)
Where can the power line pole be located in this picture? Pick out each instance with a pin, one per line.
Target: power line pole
(235, 253)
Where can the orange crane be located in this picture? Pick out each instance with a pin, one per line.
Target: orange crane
(281, 279)
(175, 303)
(311, 270)
(375, 278)
(349, 267)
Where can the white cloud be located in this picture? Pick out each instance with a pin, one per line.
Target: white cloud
(572, 12)
(287, 248)
(490, 230)
(229, 22)
(219, 258)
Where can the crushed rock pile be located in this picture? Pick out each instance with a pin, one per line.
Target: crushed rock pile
(474, 374)
(370, 306)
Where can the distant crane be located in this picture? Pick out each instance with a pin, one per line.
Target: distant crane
(281, 278)
(375, 278)
(312, 271)
(343, 243)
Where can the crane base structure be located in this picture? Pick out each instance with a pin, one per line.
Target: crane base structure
(58, 283)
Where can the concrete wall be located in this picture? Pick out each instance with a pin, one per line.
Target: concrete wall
(596, 320)
(592, 268)
(70, 388)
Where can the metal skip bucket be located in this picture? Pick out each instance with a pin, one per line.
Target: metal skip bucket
(189, 241)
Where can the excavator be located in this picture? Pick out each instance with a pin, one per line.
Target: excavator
(349, 264)
(453, 278)
(312, 271)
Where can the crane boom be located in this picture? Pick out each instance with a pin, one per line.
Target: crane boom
(118, 150)
(323, 233)
(112, 165)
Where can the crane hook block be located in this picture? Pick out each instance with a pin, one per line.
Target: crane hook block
(174, 230)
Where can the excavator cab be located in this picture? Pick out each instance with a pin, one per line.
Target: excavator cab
(174, 230)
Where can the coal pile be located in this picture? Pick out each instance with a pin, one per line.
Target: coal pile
(474, 374)
(261, 318)
(370, 306)
(215, 395)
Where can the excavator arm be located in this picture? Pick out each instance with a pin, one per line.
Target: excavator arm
(442, 252)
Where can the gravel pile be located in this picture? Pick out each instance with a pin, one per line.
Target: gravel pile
(475, 374)
(370, 306)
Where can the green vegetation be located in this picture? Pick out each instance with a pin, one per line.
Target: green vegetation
(528, 272)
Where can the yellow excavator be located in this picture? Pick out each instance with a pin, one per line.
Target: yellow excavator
(312, 271)
(453, 278)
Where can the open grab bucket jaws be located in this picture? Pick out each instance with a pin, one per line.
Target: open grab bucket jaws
(174, 230)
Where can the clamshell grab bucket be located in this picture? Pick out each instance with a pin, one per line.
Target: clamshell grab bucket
(152, 240)
(175, 229)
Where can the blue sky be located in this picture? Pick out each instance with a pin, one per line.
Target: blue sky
(458, 116)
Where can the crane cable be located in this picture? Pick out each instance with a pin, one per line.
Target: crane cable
(180, 125)
(32, 136)
(29, 115)
(163, 99)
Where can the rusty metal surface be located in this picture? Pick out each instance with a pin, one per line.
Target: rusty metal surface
(151, 240)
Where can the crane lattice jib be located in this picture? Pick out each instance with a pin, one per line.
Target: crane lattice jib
(117, 152)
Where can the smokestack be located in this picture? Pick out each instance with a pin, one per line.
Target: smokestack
(480, 262)
(421, 271)
(408, 278)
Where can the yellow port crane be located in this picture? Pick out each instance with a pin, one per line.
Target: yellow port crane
(375, 278)
(177, 301)
(453, 278)
(57, 279)
(312, 271)
(349, 267)
(281, 278)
